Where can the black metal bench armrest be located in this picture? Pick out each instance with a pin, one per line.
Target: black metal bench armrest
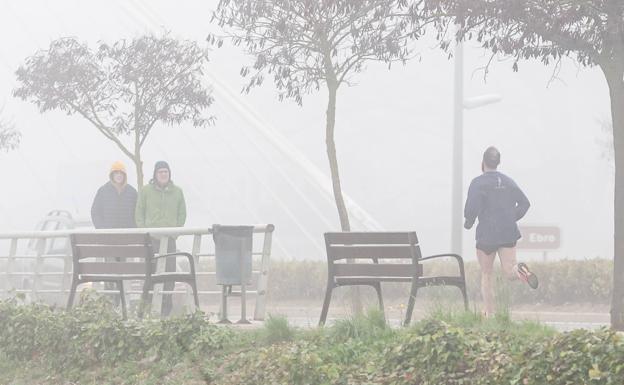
(459, 259)
(182, 254)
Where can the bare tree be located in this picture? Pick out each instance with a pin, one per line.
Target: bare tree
(589, 31)
(123, 89)
(304, 45)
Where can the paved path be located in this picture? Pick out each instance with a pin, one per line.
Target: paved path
(561, 318)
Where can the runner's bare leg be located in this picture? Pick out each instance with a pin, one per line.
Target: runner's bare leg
(508, 261)
(486, 261)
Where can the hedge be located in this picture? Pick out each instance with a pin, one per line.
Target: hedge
(561, 282)
(91, 345)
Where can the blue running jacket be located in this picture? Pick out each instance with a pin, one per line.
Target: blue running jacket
(499, 203)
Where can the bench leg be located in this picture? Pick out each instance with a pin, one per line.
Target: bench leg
(410, 304)
(377, 287)
(465, 295)
(122, 297)
(145, 298)
(72, 294)
(193, 284)
(328, 293)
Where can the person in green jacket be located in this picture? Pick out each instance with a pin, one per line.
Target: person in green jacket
(161, 204)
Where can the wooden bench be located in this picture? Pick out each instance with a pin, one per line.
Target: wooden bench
(117, 257)
(395, 257)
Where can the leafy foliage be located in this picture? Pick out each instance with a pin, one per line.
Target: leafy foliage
(121, 89)
(91, 344)
(546, 30)
(303, 44)
(93, 334)
(9, 138)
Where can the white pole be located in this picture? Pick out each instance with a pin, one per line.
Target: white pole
(458, 153)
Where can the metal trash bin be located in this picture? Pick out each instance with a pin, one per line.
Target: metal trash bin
(233, 249)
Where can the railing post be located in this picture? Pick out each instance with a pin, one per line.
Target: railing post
(195, 253)
(38, 265)
(9, 266)
(68, 265)
(260, 308)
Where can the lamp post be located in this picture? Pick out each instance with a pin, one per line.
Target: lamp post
(459, 104)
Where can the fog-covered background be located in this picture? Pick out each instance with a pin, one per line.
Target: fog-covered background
(393, 133)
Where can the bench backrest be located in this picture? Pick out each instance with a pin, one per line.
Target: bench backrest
(398, 251)
(111, 253)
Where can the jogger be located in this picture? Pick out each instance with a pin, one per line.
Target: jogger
(498, 203)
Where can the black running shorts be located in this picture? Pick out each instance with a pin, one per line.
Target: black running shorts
(489, 249)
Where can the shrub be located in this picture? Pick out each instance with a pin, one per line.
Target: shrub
(577, 357)
(93, 333)
(564, 281)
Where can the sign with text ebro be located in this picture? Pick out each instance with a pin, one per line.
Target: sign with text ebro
(540, 238)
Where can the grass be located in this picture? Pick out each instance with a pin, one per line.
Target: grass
(277, 329)
(370, 325)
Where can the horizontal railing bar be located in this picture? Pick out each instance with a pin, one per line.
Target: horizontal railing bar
(63, 256)
(45, 256)
(53, 291)
(29, 273)
(156, 231)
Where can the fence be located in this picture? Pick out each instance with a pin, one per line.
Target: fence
(39, 263)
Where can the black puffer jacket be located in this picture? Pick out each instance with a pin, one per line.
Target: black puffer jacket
(112, 209)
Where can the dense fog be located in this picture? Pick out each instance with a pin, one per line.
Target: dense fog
(260, 162)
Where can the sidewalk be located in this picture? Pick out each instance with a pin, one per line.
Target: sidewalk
(306, 314)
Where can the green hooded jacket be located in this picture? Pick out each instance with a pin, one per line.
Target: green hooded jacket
(160, 207)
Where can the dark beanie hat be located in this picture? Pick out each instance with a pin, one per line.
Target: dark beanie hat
(161, 164)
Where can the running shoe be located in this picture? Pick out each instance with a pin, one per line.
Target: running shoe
(527, 276)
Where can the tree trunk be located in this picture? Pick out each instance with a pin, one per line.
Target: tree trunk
(343, 214)
(138, 164)
(613, 73)
(333, 160)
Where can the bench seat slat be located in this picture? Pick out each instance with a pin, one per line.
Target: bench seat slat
(389, 251)
(406, 270)
(110, 239)
(110, 251)
(441, 280)
(340, 281)
(109, 277)
(135, 268)
(380, 238)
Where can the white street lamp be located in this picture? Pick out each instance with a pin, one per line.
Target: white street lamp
(480, 101)
(457, 215)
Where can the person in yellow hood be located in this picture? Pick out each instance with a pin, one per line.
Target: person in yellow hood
(114, 203)
(113, 207)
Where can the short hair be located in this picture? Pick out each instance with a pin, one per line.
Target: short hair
(491, 157)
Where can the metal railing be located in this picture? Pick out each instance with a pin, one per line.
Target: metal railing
(45, 266)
